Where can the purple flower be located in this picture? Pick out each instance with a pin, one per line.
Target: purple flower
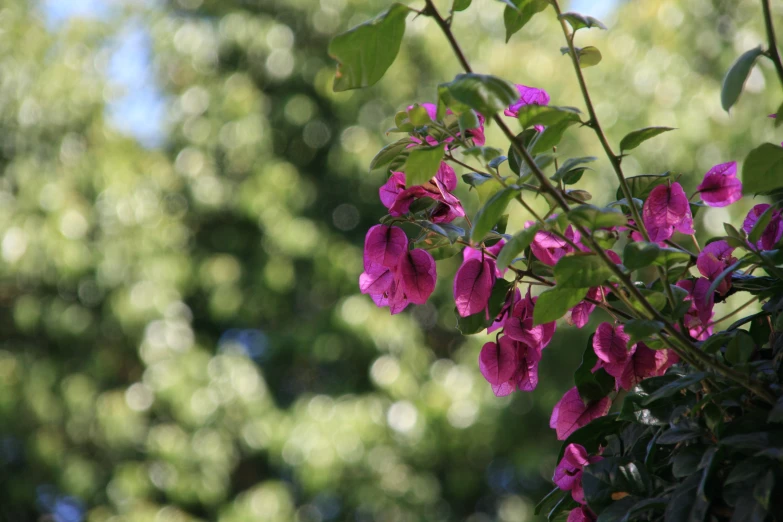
(666, 210)
(581, 514)
(527, 96)
(473, 285)
(713, 260)
(519, 325)
(549, 248)
(772, 233)
(571, 413)
(498, 361)
(525, 374)
(700, 313)
(568, 473)
(411, 280)
(720, 186)
(384, 245)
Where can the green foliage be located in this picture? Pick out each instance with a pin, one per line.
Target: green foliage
(763, 169)
(519, 12)
(637, 137)
(365, 52)
(422, 164)
(736, 76)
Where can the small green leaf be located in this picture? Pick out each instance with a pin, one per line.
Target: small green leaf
(519, 12)
(530, 115)
(641, 329)
(516, 245)
(640, 254)
(592, 386)
(570, 165)
(553, 304)
(641, 186)
(549, 500)
(589, 56)
(419, 116)
(387, 154)
(763, 169)
(551, 136)
(482, 93)
(490, 213)
(422, 164)
(637, 137)
(460, 5)
(581, 271)
(468, 120)
(740, 348)
(579, 21)
(365, 52)
(593, 217)
(735, 78)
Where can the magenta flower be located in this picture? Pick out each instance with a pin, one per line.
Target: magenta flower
(498, 361)
(417, 273)
(642, 363)
(568, 473)
(473, 285)
(700, 313)
(571, 413)
(519, 325)
(431, 108)
(713, 260)
(392, 188)
(476, 253)
(581, 514)
(549, 248)
(525, 374)
(448, 208)
(610, 345)
(772, 233)
(580, 314)
(384, 245)
(383, 287)
(527, 96)
(720, 186)
(666, 210)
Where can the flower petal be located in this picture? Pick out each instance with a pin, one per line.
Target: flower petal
(473, 286)
(570, 413)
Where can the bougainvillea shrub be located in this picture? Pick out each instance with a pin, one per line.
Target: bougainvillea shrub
(668, 418)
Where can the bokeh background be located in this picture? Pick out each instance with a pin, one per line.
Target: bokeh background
(183, 202)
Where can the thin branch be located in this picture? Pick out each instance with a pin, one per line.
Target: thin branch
(772, 52)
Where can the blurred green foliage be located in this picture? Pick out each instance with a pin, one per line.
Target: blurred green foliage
(182, 336)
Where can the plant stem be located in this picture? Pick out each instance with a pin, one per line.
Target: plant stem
(772, 52)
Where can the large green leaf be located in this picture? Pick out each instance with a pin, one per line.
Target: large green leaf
(581, 271)
(490, 213)
(530, 115)
(594, 217)
(735, 78)
(481, 92)
(519, 12)
(763, 169)
(365, 52)
(422, 164)
(553, 304)
(637, 137)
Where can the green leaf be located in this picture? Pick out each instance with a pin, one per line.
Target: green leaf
(490, 213)
(611, 475)
(594, 217)
(553, 304)
(589, 56)
(419, 116)
(763, 169)
(571, 164)
(549, 500)
(516, 245)
(468, 120)
(637, 137)
(389, 152)
(592, 386)
(515, 18)
(581, 271)
(579, 21)
(640, 254)
(422, 164)
(641, 186)
(460, 5)
(641, 329)
(736, 76)
(669, 389)
(482, 93)
(740, 348)
(365, 52)
(530, 115)
(551, 136)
